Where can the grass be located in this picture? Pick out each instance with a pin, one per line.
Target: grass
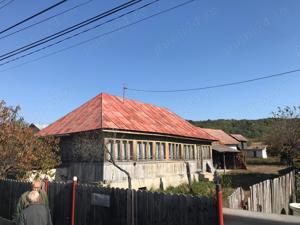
(257, 171)
(268, 161)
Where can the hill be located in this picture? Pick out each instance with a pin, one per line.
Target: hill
(253, 129)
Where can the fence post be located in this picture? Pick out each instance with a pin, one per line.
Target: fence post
(46, 185)
(74, 184)
(219, 204)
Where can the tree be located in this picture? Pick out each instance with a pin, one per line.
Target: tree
(113, 162)
(283, 136)
(20, 150)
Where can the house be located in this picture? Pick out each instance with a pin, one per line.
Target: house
(225, 150)
(151, 143)
(37, 127)
(256, 150)
(241, 139)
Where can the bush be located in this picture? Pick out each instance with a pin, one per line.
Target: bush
(226, 181)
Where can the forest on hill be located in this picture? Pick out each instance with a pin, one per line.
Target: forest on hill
(253, 129)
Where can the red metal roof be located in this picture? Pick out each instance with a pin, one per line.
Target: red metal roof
(239, 137)
(222, 137)
(106, 111)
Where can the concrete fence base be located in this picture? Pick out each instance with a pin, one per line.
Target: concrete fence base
(243, 217)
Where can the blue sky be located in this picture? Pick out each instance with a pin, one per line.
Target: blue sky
(201, 44)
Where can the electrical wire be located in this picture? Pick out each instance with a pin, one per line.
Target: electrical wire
(219, 85)
(69, 29)
(2, 1)
(46, 19)
(33, 16)
(82, 32)
(11, 1)
(98, 36)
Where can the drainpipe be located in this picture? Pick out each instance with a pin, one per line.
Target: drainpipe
(74, 185)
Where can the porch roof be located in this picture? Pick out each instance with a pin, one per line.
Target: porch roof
(223, 148)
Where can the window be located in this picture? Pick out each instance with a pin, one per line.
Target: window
(174, 154)
(140, 150)
(170, 151)
(206, 152)
(130, 150)
(110, 148)
(157, 153)
(118, 144)
(198, 153)
(178, 151)
(124, 153)
(150, 152)
(163, 151)
(192, 154)
(185, 152)
(145, 150)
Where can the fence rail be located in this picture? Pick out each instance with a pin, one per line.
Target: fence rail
(125, 206)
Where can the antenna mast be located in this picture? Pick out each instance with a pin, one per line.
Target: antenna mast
(124, 92)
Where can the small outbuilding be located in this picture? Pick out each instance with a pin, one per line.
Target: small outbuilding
(37, 127)
(226, 154)
(256, 150)
(241, 139)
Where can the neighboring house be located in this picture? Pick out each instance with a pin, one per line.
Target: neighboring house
(241, 139)
(225, 151)
(150, 142)
(37, 127)
(256, 150)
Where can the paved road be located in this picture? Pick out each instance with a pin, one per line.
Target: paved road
(242, 217)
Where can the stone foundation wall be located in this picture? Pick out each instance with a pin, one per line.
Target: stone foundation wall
(149, 174)
(82, 147)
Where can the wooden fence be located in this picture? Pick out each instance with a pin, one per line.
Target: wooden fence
(125, 206)
(236, 199)
(269, 196)
(273, 196)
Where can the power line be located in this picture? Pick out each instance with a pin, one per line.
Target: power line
(220, 85)
(2, 1)
(46, 19)
(82, 32)
(98, 36)
(69, 29)
(6, 4)
(33, 16)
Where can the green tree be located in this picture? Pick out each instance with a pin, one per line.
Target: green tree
(283, 136)
(20, 150)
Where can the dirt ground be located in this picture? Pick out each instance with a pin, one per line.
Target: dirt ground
(254, 174)
(266, 169)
